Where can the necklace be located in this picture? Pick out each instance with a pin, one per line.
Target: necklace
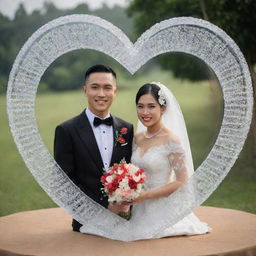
(153, 135)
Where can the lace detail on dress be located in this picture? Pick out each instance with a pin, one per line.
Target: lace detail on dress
(177, 158)
(177, 161)
(159, 169)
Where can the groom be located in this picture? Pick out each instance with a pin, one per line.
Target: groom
(95, 139)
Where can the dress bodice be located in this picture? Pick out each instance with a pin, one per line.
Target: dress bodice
(159, 162)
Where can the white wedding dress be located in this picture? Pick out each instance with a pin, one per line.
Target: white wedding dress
(161, 164)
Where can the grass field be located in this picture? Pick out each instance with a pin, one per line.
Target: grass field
(19, 191)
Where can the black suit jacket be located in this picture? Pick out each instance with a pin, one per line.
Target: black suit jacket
(77, 153)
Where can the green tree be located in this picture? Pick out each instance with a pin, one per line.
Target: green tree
(70, 67)
(7, 43)
(147, 13)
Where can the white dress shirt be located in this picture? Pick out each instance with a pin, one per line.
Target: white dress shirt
(104, 138)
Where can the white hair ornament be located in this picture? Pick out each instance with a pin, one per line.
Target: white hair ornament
(161, 94)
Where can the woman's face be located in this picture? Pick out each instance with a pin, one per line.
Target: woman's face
(148, 110)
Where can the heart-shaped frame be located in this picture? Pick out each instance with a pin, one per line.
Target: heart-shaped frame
(188, 35)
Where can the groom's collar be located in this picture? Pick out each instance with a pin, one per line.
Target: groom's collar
(91, 116)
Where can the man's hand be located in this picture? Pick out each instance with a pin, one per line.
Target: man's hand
(117, 208)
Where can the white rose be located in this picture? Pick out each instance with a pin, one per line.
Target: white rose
(109, 179)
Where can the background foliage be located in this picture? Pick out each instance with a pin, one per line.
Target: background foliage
(190, 79)
(65, 73)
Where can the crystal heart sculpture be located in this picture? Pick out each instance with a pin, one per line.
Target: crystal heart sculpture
(188, 35)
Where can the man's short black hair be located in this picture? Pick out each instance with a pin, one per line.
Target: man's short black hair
(99, 68)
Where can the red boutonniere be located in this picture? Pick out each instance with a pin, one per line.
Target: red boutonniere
(119, 136)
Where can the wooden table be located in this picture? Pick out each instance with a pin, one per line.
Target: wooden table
(48, 232)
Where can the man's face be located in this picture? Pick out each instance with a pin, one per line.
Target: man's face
(100, 89)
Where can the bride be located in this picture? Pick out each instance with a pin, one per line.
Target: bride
(161, 148)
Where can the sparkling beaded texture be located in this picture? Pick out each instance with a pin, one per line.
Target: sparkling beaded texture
(185, 34)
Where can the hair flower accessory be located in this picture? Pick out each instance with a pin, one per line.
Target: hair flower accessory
(161, 99)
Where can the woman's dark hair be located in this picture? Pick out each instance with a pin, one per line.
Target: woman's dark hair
(99, 68)
(152, 89)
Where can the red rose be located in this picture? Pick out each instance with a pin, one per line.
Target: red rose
(132, 184)
(124, 130)
(111, 187)
(142, 180)
(104, 177)
(140, 171)
(121, 140)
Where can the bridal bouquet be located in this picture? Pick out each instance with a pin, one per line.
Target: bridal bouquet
(123, 182)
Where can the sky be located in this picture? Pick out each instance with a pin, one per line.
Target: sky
(8, 7)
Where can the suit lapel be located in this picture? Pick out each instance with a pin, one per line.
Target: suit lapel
(116, 127)
(87, 136)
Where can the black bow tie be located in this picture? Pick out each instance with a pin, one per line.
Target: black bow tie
(108, 121)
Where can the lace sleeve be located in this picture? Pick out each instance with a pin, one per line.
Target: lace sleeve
(177, 159)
